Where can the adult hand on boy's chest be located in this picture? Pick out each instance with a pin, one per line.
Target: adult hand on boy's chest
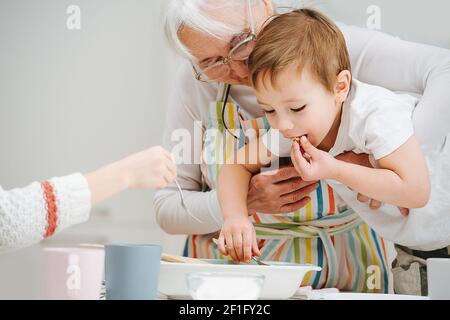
(281, 192)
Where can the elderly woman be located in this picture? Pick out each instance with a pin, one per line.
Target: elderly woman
(295, 221)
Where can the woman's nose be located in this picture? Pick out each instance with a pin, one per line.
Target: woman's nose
(239, 68)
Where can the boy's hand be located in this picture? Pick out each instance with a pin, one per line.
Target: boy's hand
(313, 164)
(238, 239)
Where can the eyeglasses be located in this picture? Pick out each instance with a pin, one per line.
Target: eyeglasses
(218, 68)
(241, 47)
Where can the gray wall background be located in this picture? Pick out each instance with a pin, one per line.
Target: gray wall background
(75, 100)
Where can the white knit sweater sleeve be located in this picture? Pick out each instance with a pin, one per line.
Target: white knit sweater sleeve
(24, 212)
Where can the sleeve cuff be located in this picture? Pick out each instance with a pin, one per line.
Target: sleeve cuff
(73, 200)
(389, 147)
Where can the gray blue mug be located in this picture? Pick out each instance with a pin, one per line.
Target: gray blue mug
(132, 271)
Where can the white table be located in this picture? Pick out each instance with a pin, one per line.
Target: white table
(370, 296)
(344, 296)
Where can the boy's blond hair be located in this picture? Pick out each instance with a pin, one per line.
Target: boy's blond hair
(302, 38)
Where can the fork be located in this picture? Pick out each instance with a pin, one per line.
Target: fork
(257, 260)
(183, 202)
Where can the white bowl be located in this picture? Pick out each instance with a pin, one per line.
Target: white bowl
(282, 279)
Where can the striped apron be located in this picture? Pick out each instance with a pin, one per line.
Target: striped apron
(325, 232)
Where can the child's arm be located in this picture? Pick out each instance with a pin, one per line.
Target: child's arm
(237, 232)
(402, 179)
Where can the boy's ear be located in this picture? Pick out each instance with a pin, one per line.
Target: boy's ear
(343, 84)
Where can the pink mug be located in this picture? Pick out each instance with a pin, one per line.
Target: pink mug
(73, 273)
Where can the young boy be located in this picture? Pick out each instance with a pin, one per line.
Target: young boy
(300, 70)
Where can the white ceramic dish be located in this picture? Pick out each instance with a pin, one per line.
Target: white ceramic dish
(281, 279)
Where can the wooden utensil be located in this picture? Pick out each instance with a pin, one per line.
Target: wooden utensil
(164, 256)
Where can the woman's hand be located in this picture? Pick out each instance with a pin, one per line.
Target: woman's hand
(375, 204)
(313, 164)
(153, 168)
(238, 239)
(150, 169)
(282, 191)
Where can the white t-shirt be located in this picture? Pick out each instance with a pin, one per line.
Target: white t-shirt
(376, 121)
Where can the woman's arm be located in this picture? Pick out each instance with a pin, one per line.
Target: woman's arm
(399, 65)
(185, 118)
(401, 180)
(40, 210)
(153, 168)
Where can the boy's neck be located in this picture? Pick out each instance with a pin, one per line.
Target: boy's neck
(331, 137)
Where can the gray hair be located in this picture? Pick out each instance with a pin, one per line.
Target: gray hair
(193, 13)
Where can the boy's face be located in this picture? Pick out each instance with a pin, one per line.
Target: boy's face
(299, 105)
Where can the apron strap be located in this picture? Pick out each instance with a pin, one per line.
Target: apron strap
(332, 261)
(310, 230)
(222, 92)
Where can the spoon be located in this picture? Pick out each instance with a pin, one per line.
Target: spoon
(183, 202)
